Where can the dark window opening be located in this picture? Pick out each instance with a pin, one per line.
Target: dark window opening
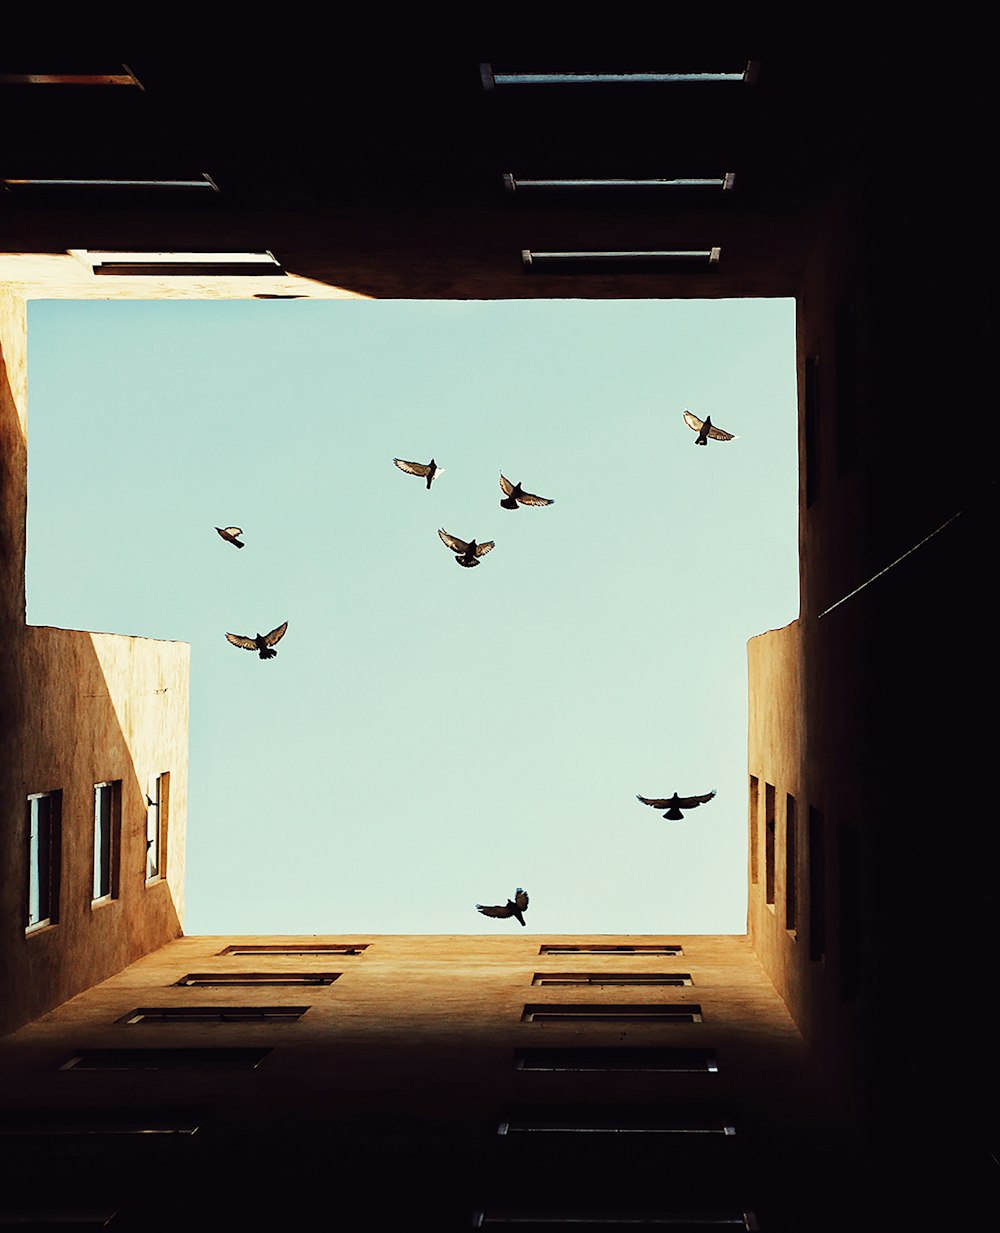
(791, 873)
(612, 978)
(214, 1014)
(769, 824)
(617, 1058)
(44, 815)
(754, 804)
(107, 838)
(296, 948)
(659, 1012)
(600, 949)
(259, 978)
(166, 1059)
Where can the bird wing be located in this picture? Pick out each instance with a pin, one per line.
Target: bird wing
(275, 635)
(506, 485)
(693, 421)
(529, 498)
(493, 909)
(413, 468)
(483, 549)
(657, 804)
(720, 434)
(229, 531)
(248, 644)
(692, 802)
(521, 899)
(453, 542)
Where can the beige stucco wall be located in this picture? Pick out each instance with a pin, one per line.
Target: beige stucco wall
(76, 709)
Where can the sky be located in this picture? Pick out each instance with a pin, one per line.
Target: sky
(429, 737)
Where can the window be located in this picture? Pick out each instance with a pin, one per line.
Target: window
(769, 824)
(812, 427)
(521, 184)
(491, 80)
(297, 948)
(604, 1122)
(100, 1121)
(202, 185)
(107, 838)
(754, 806)
(791, 874)
(623, 261)
(157, 809)
(123, 77)
(621, 1222)
(45, 1220)
(44, 815)
(817, 885)
(165, 1059)
(259, 978)
(214, 1014)
(616, 1058)
(612, 978)
(612, 949)
(173, 264)
(658, 1012)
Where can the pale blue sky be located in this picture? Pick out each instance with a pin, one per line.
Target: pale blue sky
(430, 736)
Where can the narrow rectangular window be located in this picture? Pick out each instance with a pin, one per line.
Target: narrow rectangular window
(204, 265)
(43, 834)
(817, 885)
(615, 1122)
(617, 1058)
(157, 813)
(610, 1012)
(791, 873)
(258, 978)
(754, 804)
(296, 948)
(213, 1014)
(620, 261)
(769, 822)
(812, 427)
(668, 949)
(849, 914)
(106, 1120)
(165, 1059)
(611, 1222)
(612, 978)
(107, 832)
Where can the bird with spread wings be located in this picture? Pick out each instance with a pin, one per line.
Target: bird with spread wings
(513, 907)
(262, 643)
(674, 804)
(427, 470)
(705, 429)
(466, 554)
(229, 534)
(515, 495)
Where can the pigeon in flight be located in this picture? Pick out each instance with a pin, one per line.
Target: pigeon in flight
(674, 804)
(262, 643)
(513, 907)
(229, 534)
(706, 429)
(428, 470)
(467, 554)
(517, 496)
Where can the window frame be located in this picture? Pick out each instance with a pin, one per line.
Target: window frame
(109, 790)
(612, 1012)
(43, 838)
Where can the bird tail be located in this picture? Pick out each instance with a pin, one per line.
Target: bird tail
(675, 815)
(702, 441)
(468, 564)
(268, 653)
(509, 503)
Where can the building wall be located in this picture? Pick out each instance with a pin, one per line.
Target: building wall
(79, 709)
(381, 1105)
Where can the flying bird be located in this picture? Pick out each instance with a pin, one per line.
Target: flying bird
(513, 907)
(705, 429)
(467, 554)
(229, 534)
(427, 470)
(674, 804)
(261, 643)
(517, 496)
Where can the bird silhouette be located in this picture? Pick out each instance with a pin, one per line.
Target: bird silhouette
(428, 470)
(513, 907)
(517, 496)
(674, 804)
(229, 534)
(467, 554)
(705, 429)
(261, 643)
